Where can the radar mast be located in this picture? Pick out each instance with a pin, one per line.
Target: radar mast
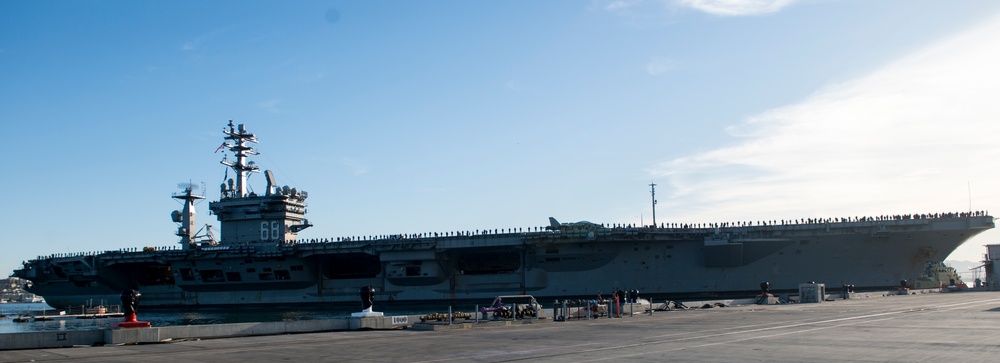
(271, 219)
(652, 190)
(240, 137)
(186, 216)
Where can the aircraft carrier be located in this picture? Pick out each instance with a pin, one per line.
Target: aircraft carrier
(258, 257)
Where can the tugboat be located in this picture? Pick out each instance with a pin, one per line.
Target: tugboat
(938, 275)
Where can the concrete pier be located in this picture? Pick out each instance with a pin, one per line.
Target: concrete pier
(71, 338)
(953, 327)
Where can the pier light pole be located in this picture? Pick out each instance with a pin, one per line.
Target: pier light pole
(652, 190)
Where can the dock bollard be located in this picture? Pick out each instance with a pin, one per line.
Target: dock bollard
(130, 300)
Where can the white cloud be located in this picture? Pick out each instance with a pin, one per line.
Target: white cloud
(271, 105)
(514, 85)
(356, 166)
(736, 7)
(642, 13)
(904, 139)
(617, 5)
(659, 65)
(311, 77)
(639, 13)
(197, 42)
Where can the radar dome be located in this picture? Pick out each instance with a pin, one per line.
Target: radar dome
(176, 216)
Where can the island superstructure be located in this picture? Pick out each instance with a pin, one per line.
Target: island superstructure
(259, 258)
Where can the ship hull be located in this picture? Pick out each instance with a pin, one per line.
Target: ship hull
(658, 262)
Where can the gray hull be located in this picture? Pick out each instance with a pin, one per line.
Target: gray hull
(563, 263)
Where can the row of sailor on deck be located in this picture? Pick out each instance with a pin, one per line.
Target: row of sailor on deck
(782, 222)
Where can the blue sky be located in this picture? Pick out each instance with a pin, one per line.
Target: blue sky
(409, 117)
